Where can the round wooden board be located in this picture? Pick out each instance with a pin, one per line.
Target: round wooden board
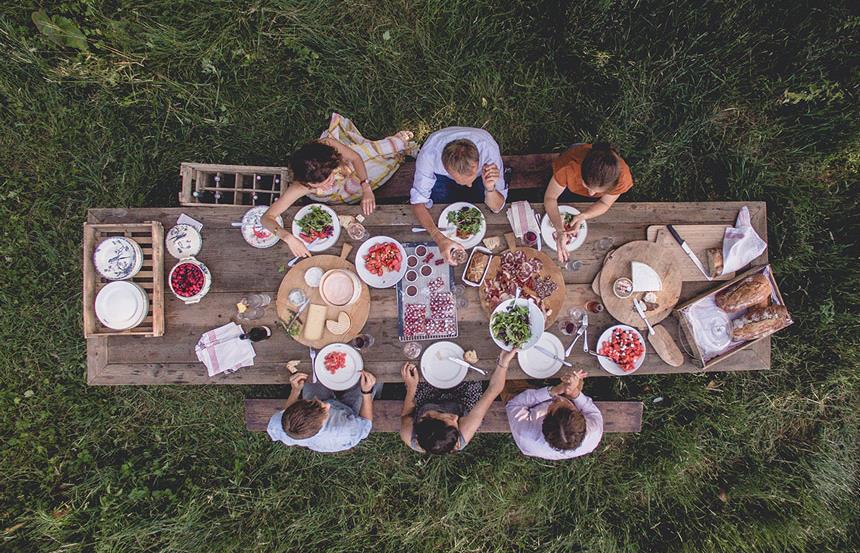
(295, 278)
(554, 302)
(617, 264)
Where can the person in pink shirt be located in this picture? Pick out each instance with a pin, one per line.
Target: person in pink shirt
(555, 423)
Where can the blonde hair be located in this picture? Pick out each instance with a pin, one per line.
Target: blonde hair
(460, 156)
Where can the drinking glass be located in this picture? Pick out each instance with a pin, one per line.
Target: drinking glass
(573, 265)
(412, 350)
(459, 292)
(362, 342)
(605, 243)
(356, 231)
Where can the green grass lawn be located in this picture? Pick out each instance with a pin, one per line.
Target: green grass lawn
(706, 101)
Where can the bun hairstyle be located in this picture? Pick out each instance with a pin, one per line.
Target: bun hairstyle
(564, 428)
(600, 168)
(435, 436)
(314, 162)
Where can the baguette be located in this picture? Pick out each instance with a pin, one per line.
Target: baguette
(715, 262)
(760, 321)
(752, 290)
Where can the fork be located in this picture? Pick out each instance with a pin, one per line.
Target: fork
(313, 354)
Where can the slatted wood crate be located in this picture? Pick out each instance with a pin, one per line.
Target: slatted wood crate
(213, 185)
(150, 236)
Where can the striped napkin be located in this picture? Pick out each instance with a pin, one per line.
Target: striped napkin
(521, 216)
(222, 351)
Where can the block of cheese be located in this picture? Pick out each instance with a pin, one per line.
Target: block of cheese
(645, 279)
(493, 243)
(315, 322)
(340, 326)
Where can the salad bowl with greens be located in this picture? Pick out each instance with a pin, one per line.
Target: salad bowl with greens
(516, 324)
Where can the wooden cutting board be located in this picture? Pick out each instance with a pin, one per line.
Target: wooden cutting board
(295, 278)
(554, 302)
(700, 238)
(659, 256)
(665, 346)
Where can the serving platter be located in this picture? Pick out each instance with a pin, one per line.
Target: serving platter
(553, 302)
(660, 257)
(358, 311)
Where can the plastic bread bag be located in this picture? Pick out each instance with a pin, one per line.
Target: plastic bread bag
(741, 243)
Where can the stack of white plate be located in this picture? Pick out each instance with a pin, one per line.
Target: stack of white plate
(118, 258)
(122, 305)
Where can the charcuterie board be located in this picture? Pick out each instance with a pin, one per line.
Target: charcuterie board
(295, 278)
(659, 256)
(548, 270)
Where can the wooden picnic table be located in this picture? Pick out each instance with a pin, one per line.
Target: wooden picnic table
(238, 269)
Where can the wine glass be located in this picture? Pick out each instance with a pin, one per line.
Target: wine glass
(412, 350)
(459, 292)
(605, 243)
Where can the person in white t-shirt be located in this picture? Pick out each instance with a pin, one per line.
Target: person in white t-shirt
(456, 164)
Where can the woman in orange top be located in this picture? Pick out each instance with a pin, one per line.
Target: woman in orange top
(594, 171)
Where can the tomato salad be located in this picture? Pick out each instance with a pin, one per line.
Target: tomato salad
(383, 257)
(624, 348)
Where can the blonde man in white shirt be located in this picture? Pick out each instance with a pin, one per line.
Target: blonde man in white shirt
(556, 423)
(456, 164)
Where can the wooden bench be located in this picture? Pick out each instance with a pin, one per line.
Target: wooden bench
(618, 416)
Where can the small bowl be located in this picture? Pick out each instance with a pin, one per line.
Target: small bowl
(622, 288)
(313, 276)
(426, 270)
(411, 276)
(421, 251)
(411, 291)
(412, 261)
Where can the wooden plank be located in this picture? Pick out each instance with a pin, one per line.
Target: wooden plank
(618, 416)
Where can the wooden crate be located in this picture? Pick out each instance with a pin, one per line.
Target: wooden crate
(213, 185)
(150, 236)
(687, 330)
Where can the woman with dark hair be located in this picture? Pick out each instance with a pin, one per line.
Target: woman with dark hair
(593, 171)
(443, 421)
(341, 167)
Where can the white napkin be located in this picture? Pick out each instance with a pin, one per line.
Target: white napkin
(741, 243)
(521, 216)
(222, 351)
(190, 221)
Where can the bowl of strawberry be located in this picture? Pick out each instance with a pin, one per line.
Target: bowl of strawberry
(622, 348)
(380, 262)
(189, 280)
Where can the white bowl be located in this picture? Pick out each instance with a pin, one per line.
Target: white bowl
(611, 366)
(536, 322)
(356, 287)
(207, 280)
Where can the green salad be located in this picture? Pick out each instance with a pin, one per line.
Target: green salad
(512, 327)
(315, 224)
(468, 221)
(568, 219)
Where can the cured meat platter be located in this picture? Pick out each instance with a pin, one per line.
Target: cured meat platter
(537, 275)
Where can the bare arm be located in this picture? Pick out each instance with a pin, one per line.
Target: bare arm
(348, 154)
(366, 410)
(600, 207)
(470, 423)
(494, 200)
(550, 203)
(297, 382)
(406, 417)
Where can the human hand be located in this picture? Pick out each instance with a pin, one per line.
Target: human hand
(367, 381)
(447, 247)
(572, 383)
(490, 176)
(573, 227)
(410, 376)
(506, 356)
(296, 245)
(368, 201)
(561, 240)
(297, 382)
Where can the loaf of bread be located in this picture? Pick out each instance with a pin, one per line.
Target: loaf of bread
(715, 262)
(750, 291)
(760, 321)
(475, 270)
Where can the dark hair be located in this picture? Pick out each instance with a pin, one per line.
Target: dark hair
(314, 162)
(564, 428)
(303, 419)
(460, 156)
(600, 168)
(435, 436)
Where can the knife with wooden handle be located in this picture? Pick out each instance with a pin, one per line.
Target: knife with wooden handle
(684, 246)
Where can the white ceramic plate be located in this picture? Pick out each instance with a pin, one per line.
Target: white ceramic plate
(438, 370)
(183, 241)
(611, 366)
(118, 258)
(539, 365)
(121, 305)
(388, 278)
(547, 230)
(253, 231)
(471, 241)
(536, 323)
(322, 245)
(344, 378)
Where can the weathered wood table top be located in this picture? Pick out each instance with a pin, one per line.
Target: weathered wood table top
(238, 269)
